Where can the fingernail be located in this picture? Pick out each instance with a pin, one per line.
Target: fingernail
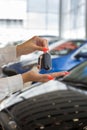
(66, 73)
(50, 77)
(45, 49)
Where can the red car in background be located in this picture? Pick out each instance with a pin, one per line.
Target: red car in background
(65, 46)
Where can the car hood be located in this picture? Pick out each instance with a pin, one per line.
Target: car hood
(34, 90)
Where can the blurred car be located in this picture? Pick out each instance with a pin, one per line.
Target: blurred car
(68, 61)
(56, 47)
(78, 76)
(59, 104)
(18, 67)
(66, 47)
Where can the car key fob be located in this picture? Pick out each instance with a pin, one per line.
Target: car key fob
(44, 61)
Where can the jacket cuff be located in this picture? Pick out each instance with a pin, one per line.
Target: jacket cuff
(15, 83)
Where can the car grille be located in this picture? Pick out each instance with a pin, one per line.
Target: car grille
(59, 110)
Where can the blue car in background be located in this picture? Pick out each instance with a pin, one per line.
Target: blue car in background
(67, 62)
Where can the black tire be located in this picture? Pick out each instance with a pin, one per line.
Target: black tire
(1, 126)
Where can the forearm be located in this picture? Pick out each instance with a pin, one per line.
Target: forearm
(25, 77)
(18, 50)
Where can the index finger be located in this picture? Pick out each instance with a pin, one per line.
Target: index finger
(57, 74)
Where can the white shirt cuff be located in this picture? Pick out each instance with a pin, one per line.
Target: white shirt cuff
(10, 85)
(15, 83)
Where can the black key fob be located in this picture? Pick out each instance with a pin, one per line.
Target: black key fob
(44, 61)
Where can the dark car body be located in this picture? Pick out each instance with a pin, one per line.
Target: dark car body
(55, 105)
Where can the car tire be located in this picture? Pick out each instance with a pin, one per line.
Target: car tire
(1, 126)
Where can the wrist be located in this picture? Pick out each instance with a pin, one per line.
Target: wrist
(25, 78)
(18, 50)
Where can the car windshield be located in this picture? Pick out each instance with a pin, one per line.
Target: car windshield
(78, 74)
(66, 48)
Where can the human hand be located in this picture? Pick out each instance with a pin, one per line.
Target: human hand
(34, 76)
(34, 44)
